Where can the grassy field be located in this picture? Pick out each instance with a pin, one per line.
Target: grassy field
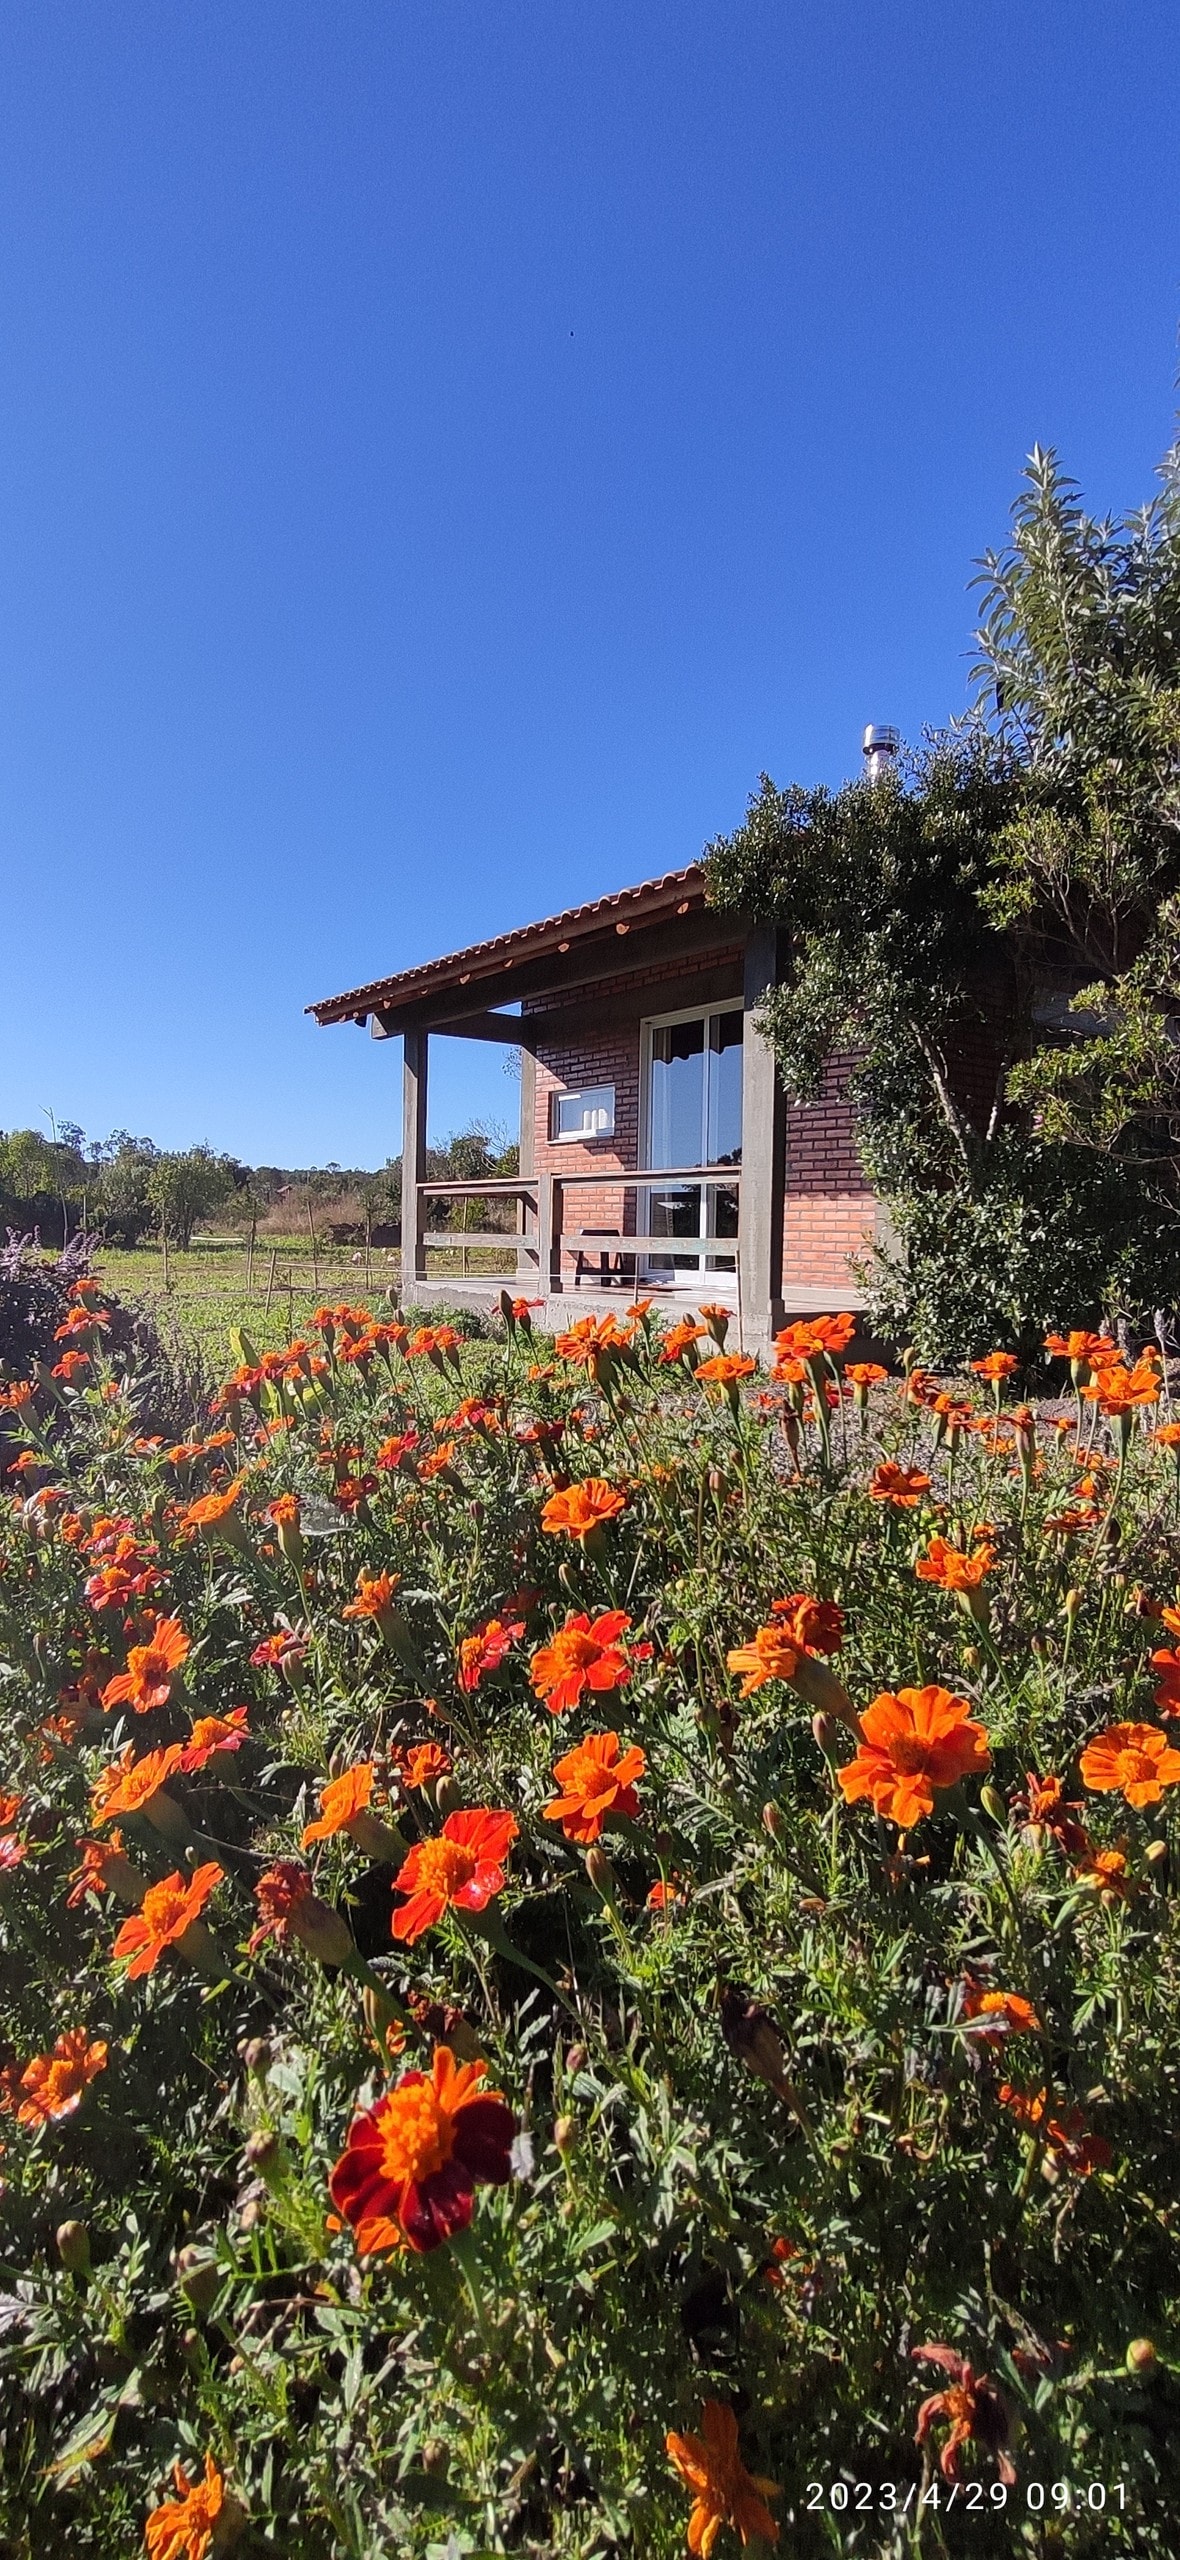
(218, 1285)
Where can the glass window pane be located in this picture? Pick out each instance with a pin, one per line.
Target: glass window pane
(724, 1127)
(677, 1092)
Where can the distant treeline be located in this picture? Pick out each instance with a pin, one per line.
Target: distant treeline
(128, 1188)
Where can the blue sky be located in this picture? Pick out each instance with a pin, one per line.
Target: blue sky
(448, 450)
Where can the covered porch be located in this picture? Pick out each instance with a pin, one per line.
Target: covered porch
(653, 1132)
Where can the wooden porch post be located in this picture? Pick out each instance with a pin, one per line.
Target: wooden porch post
(760, 1198)
(528, 1158)
(413, 1153)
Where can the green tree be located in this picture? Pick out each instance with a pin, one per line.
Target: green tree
(991, 937)
(186, 1187)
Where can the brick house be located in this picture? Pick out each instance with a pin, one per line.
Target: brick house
(657, 1153)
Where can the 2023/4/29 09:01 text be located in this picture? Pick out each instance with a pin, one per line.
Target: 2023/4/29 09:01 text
(974, 2497)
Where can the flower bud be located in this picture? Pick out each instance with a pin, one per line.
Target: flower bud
(435, 2454)
(322, 1930)
(264, 2152)
(1141, 2356)
(1072, 1603)
(448, 1794)
(972, 1656)
(255, 2054)
(600, 1871)
(198, 2277)
(994, 1805)
(1156, 1852)
(824, 1732)
(575, 2059)
(565, 2136)
(73, 2247)
(772, 1820)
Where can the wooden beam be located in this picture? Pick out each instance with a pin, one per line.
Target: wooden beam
(760, 1213)
(507, 1028)
(414, 1083)
(585, 964)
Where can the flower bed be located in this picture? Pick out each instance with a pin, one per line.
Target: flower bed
(589, 1954)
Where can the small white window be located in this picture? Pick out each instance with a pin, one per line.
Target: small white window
(588, 1114)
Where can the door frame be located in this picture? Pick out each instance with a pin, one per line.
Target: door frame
(720, 1282)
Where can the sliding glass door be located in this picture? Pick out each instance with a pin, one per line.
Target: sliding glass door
(693, 1076)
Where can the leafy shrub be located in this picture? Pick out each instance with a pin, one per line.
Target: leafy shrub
(823, 2049)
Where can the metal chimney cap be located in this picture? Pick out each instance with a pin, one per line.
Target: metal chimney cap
(880, 740)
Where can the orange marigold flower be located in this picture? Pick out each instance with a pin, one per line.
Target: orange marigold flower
(769, 1655)
(815, 1626)
(725, 1369)
(486, 1649)
(341, 1800)
(1118, 1390)
(422, 1765)
(951, 1568)
(167, 1912)
(393, 1453)
(1064, 2134)
(679, 1339)
(723, 2491)
(1136, 1759)
(902, 1486)
(594, 1781)
(54, 2084)
(70, 1365)
(996, 1366)
(590, 1342)
(213, 1510)
(210, 1736)
(865, 1373)
(128, 1784)
(915, 1741)
(198, 2522)
(462, 1866)
(1168, 1435)
(812, 1339)
(147, 1680)
(1091, 1349)
(1105, 1872)
(413, 2161)
(374, 1596)
(999, 2013)
(584, 1654)
(974, 2409)
(283, 1512)
(582, 1508)
(93, 1876)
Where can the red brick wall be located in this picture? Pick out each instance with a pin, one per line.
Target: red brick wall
(828, 1210)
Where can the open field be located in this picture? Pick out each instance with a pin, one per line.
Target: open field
(201, 1296)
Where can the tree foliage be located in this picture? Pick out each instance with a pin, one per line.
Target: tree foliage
(990, 936)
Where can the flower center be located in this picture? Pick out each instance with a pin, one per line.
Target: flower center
(417, 2136)
(1134, 1764)
(909, 1753)
(162, 1907)
(445, 1866)
(575, 1650)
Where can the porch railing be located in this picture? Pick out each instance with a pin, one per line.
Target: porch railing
(542, 1241)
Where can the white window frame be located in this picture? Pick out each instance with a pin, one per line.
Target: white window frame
(679, 1247)
(585, 1094)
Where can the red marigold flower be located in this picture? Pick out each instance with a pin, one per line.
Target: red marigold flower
(283, 1651)
(769, 1655)
(915, 1741)
(723, 2491)
(413, 2161)
(582, 1508)
(70, 1365)
(422, 1764)
(201, 2520)
(486, 1649)
(393, 1453)
(974, 2409)
(147, 1680)
(594, 1781)
(212, 1735)
(902, 1486)
(1064, 2134)
(584, 1654)
(53, 2085)
(460, 1867)
(1136, 1759)
(814, 1626)
(166, 1914)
